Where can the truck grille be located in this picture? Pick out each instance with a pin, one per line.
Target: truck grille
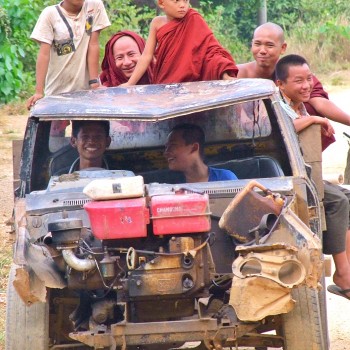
(75, 202)
(223, 190)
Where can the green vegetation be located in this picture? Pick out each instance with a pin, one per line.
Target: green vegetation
(317, 29)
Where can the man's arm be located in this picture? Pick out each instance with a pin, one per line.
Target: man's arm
(328, 109)
(93, 55)
(302, 123)
(226, 76)
(147, 55)
(42, 65)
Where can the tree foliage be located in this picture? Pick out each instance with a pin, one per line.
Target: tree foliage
(17, 51)
(322, 22)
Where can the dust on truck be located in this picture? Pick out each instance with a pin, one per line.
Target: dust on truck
(131, 257)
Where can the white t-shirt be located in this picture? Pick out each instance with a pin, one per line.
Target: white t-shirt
(69, 72)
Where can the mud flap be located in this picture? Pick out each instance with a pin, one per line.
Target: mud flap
(255, 298)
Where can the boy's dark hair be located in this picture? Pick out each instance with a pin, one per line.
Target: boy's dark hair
(192, 133)
(78, 124)
(282, 66)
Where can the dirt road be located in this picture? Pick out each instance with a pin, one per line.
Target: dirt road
(12, 127)
(334, 160)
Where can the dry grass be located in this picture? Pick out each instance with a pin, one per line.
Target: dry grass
(319, 48)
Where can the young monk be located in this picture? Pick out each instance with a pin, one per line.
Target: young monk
(295, 81)
(184, 47)
(184, 151)
(122, 52)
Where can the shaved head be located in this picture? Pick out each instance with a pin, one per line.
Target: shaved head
(273, 28)
(268, 45)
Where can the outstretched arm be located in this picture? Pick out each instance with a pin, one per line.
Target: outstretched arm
(42, 65)
(147, 55)
(328, 109)
(302, 123)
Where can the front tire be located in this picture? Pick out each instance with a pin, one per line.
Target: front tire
(302, 327)
(27, 327)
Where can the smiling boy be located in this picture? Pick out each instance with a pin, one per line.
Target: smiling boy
(294, 78)
(184, 151)
(90, 138)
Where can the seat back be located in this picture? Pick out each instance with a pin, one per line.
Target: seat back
(246, 168)
(253, 167)
(163, 176)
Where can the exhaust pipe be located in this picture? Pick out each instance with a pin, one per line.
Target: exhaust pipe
(75, 263)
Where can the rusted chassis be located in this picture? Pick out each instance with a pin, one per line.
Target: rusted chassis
(165, 335)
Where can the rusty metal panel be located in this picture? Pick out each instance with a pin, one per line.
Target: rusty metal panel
(152, 102)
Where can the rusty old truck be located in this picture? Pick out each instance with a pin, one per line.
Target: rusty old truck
(160, 263)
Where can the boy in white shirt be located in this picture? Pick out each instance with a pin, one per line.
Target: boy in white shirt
(68, 58)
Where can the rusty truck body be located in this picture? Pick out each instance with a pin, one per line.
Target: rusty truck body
(166, 264)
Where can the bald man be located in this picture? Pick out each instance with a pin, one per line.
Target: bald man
(268, 44)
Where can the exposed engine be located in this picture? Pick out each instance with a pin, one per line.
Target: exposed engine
(131, 250)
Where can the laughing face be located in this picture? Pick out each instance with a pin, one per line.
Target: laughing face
(299, 83)
(177, 153)
(126, 53)
(91, 142)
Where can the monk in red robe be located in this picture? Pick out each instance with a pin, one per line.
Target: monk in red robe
(184, 47)
(122, 52)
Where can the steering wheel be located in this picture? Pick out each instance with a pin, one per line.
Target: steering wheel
(72, 168)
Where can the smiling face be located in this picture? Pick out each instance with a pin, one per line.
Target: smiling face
(126, 53)
(178, 154)
(174, 8)
(267, 45)
(298, 84)
(91, 142)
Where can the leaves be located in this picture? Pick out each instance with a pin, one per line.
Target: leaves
(17, 50)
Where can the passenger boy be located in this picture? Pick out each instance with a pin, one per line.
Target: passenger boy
(184, 151)
(90, 138)
(184, 47)
(294, 78)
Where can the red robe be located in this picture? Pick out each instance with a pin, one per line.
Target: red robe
(111, 75)
(188, 51)
(318, 91)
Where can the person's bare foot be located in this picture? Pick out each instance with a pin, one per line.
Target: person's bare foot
(342, 281)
